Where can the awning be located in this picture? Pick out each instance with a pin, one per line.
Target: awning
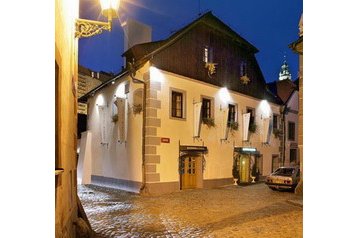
(190, 148)
(246, 150)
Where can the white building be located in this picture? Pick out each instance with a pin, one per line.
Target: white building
(205, 111)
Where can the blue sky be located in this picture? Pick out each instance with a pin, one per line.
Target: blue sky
(270, 25)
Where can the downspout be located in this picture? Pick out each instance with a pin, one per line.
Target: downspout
(135, 80)
(284, 134)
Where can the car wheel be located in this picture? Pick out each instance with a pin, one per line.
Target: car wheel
(272, 188)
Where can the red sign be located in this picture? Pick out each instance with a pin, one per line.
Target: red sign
(165, 140)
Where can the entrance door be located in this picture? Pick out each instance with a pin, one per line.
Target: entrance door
(190, 171)
(244, 168)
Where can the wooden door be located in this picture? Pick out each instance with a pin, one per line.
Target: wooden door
(189, 172)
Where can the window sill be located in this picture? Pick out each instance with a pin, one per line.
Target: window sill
(177, 118)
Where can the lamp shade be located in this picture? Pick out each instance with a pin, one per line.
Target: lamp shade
(110, 8)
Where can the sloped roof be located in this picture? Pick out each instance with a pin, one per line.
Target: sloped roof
(145, 50)
(283, 89)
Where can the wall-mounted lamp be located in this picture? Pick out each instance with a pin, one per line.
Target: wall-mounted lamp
(88, 28)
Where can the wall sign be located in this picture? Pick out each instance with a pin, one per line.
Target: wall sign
(165, 140)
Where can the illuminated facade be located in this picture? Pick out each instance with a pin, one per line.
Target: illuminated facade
(66, 79)
(191, 111)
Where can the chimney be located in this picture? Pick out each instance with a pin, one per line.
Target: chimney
(135, 33)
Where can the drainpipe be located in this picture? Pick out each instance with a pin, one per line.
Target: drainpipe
(284, 111)
(135, 80)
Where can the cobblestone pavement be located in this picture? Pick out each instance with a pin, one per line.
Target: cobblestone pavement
(231, 211)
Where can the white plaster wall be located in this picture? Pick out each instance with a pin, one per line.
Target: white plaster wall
(117, 160)
(220, 156)
(84, 167)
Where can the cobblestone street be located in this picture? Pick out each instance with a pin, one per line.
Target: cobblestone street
(232, 211)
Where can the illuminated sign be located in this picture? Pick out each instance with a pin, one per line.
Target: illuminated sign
(248, 149)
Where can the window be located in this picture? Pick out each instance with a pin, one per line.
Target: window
(208, 54)
(293, 156)
(243, 68)
(252, 115)
(291, 130)
(177, 104)
(232, 114)
(275, 122)
(206, 108)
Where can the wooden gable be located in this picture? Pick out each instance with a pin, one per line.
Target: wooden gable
(183, 52)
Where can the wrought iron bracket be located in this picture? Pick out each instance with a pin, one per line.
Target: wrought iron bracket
(88, 28)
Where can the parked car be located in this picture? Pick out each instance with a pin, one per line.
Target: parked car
(284, 178)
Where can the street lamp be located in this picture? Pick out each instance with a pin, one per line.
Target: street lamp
(88, 28)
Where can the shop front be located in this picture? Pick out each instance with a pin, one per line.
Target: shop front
(247, 163)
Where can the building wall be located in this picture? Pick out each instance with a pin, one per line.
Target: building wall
(219, 159)
(66, 11)
(121, 163)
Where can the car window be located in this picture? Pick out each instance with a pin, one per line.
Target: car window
(284, 171)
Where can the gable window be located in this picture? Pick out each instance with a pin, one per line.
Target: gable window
(177, 104)
(291, 130)
(243, 68)
(275, 122)
(206, 108)
(208, 54)
(232, 114)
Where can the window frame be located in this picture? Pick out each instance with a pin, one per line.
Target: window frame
(208, 54)
(252, 115)
(243, 68)
(232, 105)
(183, 104)
(293, 151)
(211, 109)
(291, 134)
(275, 125)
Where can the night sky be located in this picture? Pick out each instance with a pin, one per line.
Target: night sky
(270, 25)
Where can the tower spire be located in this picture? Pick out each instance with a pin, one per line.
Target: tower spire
(284, 72)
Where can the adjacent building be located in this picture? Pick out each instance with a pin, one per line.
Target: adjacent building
(87, 80)
(297, 47)
(190, 111)
(66, 57)
(285, 124)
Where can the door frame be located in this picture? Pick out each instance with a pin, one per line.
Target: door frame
(199, 167)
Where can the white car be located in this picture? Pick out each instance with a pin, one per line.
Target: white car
(284, 178)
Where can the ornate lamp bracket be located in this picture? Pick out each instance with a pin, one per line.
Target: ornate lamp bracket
(88, 28)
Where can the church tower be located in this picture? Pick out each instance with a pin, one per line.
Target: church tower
(284, 72)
